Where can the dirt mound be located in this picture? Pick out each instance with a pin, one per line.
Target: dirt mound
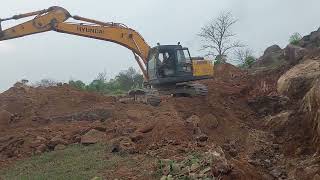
(29, 105)
(227, 71)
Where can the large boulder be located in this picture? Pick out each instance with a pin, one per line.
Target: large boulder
(272, 49)
(296, 82)
(273, 57)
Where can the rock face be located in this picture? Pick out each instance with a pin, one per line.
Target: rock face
(311, 41)
(297, 81)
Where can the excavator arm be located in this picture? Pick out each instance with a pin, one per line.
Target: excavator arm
(55, 19)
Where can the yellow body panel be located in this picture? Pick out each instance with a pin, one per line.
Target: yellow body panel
(202, 68)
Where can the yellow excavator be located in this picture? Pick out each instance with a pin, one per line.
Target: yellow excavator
(168, 69)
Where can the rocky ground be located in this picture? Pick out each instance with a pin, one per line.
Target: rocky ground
(261, 123)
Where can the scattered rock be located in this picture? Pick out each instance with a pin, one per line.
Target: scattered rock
(316, 177)
(92, 137)
(42, 148)
(100, 128)
(206, 170)
(89, 115)
(57, 140)
(202, 138)
(194, 120)
(193, 123)
(60, 147)
(123, 145)
(98, 178)
(278, 122)
(147, 128)
(163, 178)
(42, 139)
(209, 122)
(194, 167)
(220, 165)
(136, 115)
(135, 137)
(276, 173)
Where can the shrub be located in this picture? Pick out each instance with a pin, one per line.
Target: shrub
(295, 38)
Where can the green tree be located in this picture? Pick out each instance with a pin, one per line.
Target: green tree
(98, 85)
(78, 84)
(249, 61)
(129, 79)
(295, 38)
(122, 83)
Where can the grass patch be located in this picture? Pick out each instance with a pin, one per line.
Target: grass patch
(77, 162)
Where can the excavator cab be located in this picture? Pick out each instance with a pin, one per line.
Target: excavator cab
(172, 64)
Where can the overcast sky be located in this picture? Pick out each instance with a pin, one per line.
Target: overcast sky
(63, 57)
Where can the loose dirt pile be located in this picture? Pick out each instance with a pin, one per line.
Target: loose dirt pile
(36, 120)
(256, 124)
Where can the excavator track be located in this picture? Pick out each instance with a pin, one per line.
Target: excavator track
(153, 96)
(191, 90)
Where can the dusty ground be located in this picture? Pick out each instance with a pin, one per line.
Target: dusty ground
(244, 128)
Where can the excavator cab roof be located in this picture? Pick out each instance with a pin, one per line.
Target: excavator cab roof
(168, 47)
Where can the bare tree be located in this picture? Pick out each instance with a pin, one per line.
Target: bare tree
(241, 54)
(218, 37)
(102, 76)
(46, 83)
(244, 57)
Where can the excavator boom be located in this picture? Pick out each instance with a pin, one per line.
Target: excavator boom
(54, 19)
